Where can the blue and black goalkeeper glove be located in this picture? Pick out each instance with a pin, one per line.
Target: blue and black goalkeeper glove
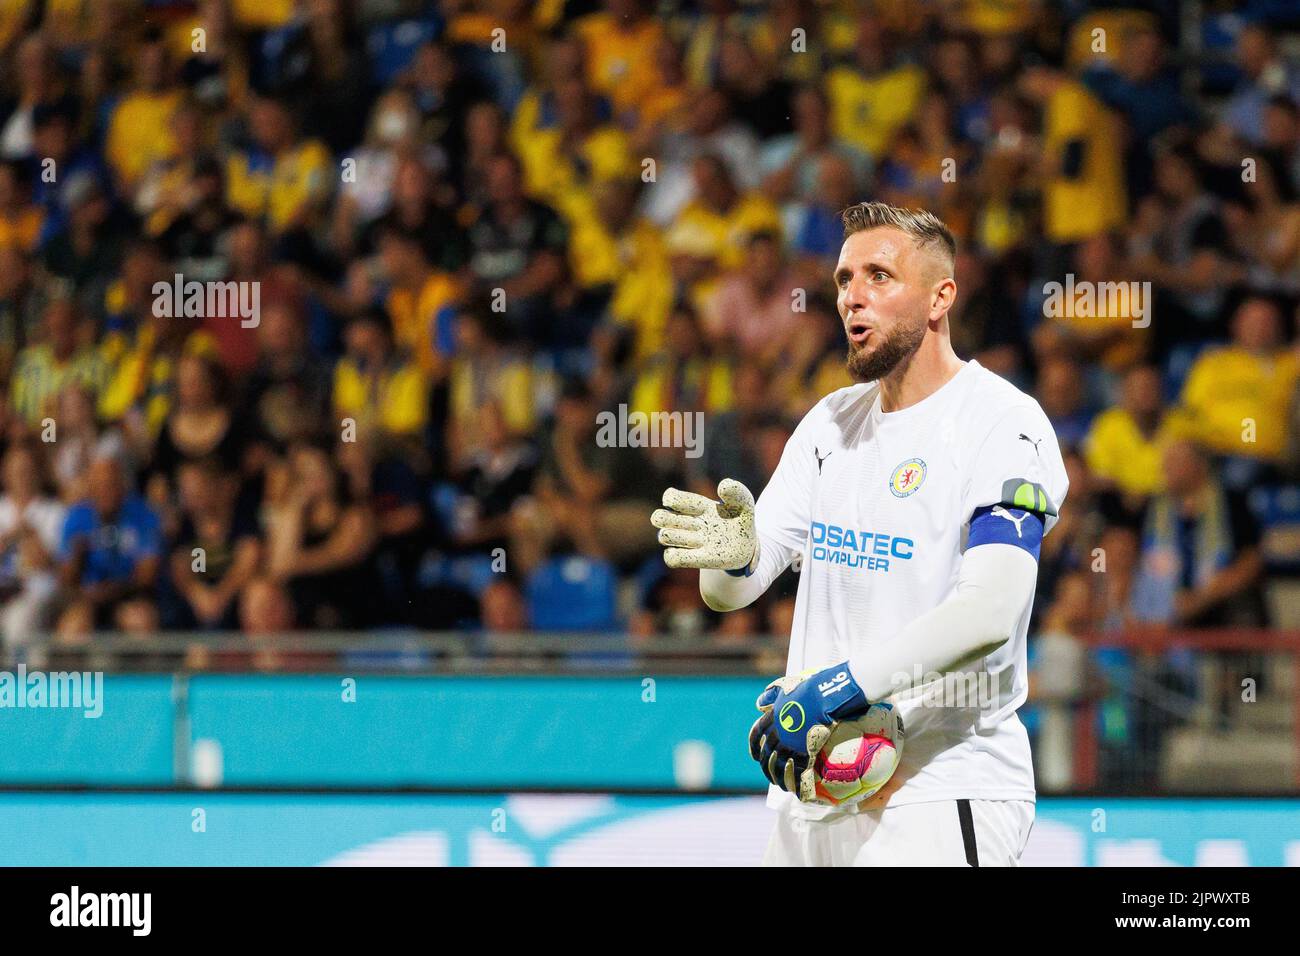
(799, 711)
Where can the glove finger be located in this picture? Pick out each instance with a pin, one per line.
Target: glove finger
(758, 732)
(785, 772)
(773, 770)
(808, 787)
(681, 557)
(795, 768)
(789, 777)
(671, 537)
(818, 734)
(734, 494)
(790, 763)
(687, 558)
(686, 502)
(768, 697)
(767, 753)
(662, 518)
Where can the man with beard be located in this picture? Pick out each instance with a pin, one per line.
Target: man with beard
(916, 502)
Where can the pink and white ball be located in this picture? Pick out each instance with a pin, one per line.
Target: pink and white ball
(860, 756)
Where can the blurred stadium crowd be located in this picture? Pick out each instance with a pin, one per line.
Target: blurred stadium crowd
(475, 225)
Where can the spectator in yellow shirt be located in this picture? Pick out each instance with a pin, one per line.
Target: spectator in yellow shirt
(620, 44)
(139, 392)
(664, 107)
(870, 98)
(421, 303)
(486, 370)
(562, 58)
(1238, 394)
(626, 253)
(1083, 172)
(683, 377)
(140, 130)
(562, 163)
(282, 178)
(44, 369)
(721, 212)
(382, 391)
(1126, 444)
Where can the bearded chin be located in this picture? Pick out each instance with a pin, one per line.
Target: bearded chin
(867, 366)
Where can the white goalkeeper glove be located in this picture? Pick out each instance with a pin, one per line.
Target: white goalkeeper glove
(700, 533)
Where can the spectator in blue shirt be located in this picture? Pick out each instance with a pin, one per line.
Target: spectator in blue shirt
(109, 556)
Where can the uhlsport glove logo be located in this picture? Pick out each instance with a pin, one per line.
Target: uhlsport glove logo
(792, 716)
(837, 683)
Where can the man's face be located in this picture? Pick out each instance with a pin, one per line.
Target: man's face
(269, 124)
(396, 257)
(20, 475)
(280, 332)
(1142, 391)
(199, 490)
(1257, 326)
(765, 260)
(365, 341)
(52, 138)
(503, 181)
(106, 488)
(1174, 179)
(1184, 468)
(810, 114)
(61, 322)
(884, 291)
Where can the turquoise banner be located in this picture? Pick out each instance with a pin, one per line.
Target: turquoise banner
(224, 829)
(380, 731)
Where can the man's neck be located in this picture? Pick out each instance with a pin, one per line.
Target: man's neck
(1192, 503)
(1147, 422)
(930, 368)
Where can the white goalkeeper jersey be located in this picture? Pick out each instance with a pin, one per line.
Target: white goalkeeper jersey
(874, 507)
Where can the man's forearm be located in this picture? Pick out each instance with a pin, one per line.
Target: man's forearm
(995, 586)
(724, 591)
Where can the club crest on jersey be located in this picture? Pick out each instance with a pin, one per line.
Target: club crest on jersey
(907, 478)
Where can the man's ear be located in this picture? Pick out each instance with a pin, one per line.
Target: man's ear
(942, 296)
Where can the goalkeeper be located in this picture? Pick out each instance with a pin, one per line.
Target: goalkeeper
(918, 500)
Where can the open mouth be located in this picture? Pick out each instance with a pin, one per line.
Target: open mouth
(859, 332)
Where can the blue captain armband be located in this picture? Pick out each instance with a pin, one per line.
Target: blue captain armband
(1007, 524)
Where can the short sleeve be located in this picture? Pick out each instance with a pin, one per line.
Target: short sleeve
(150, 529)
(1018, 464)
(50, 527)
(74, 526)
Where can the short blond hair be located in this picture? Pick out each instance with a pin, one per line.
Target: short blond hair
(925, 227)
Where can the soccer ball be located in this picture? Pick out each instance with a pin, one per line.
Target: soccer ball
(860, 756)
